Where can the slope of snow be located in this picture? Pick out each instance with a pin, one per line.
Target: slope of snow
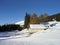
(14, 34)
(20, 23)
(51, 36)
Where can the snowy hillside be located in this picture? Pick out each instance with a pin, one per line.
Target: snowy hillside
(20, 23)
(51, 36)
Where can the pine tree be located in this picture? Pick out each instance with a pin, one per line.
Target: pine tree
(27, 21)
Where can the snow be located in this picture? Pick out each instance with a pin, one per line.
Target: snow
(14, 34)
(37, 26)
(51, 36)
(20, 23)
(52, 22)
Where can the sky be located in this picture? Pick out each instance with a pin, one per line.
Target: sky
(12, 11)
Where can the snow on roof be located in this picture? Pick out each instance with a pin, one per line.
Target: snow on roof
(37, 26)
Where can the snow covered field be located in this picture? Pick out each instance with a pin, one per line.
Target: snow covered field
(51, 36)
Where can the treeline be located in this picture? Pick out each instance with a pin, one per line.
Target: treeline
(10, 27)
(30, 19)
(55, 16)
(35, 19)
